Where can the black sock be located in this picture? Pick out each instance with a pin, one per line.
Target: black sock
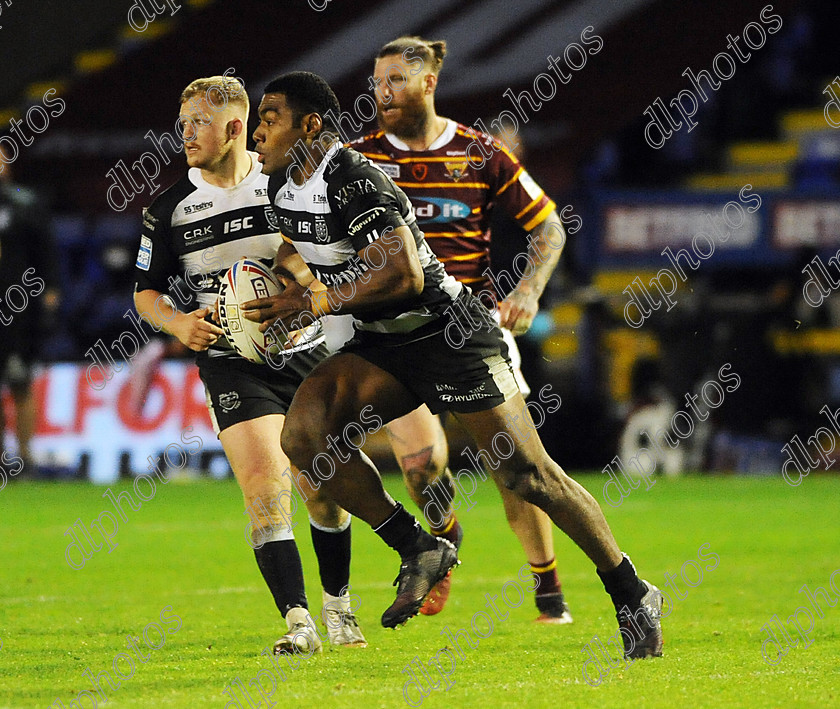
(623, 585)
(280, 565)
(403, 533)
(332, 547)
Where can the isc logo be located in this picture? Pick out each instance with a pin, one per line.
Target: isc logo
(238, 224)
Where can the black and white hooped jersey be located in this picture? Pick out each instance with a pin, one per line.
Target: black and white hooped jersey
(347, 204)
(197, 231)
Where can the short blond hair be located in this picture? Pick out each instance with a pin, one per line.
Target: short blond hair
(218, 91)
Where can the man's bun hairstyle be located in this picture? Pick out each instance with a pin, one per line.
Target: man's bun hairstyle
(431, 52)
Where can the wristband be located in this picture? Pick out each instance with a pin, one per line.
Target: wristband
(318, 306)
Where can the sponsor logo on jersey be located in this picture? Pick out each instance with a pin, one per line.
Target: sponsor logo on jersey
(304, 227)
(271, 218)
(238, 225)
(364, 219)
(319, 198)
(200, 207)
(229, 401)
(419, 170)
(432, 210)
(322, 233)
(288, 194)
(200, 233)
(149, 221)
(261, 192)
(349, 274)
(444, 387)
(144, 255)
(353, 189)
(456, 152)
(456, 170)
(393, 171)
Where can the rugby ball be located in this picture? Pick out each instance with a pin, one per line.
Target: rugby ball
(246, 280)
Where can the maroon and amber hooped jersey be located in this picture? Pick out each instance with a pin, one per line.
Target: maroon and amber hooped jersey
(452, 193)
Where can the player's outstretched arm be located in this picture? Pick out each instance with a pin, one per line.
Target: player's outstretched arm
(190, 328)
(545, 244)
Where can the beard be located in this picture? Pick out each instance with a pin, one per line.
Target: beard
(411, 121)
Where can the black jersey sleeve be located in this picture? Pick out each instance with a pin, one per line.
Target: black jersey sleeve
(365, 200)
(155, 260)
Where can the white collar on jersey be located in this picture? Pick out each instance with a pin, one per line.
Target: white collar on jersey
(195, 177)
(447, 135)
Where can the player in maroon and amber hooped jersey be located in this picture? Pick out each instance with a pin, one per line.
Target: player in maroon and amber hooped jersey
(452, 187)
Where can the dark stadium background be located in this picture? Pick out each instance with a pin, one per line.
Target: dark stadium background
(744, 306)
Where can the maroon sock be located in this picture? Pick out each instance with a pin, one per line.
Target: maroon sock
(547, 579)
(452, 531)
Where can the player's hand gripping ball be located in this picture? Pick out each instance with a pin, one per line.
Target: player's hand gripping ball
(246, 280)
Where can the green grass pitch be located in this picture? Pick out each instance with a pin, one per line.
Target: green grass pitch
(185, 548)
